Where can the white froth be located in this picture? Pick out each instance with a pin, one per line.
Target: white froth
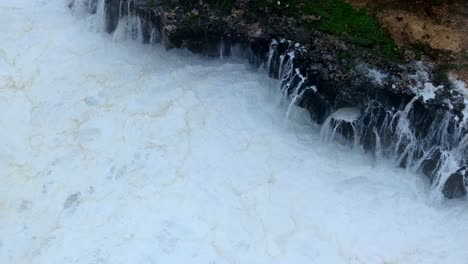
(346, 114)
(114, 152)
(377, 76)
(428, 91)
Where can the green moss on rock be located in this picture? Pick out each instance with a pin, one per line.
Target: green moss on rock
(334, 17)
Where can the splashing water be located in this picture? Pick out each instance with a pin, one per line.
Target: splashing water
(387, 132)
(117, 152)
(341, 124)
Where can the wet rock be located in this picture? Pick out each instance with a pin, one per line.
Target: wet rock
(342, 122)
(113, 11)
(318, 107)
(456, 185)
(431, 164)
(345, 128)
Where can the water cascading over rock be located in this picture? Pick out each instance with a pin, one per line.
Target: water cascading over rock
(419, 127)
(390, 110)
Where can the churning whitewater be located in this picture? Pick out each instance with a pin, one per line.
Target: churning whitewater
(117, 152)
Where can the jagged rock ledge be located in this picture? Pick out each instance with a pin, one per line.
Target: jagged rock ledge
(404, 110)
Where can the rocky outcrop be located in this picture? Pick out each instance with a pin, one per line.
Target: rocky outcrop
(406, 112)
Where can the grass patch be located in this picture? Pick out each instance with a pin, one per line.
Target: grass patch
(335, 17)
(192, 23)
(151, 3)
(340, 18)
(222, 5)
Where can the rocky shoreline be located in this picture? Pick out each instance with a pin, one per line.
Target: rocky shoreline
(405, 110)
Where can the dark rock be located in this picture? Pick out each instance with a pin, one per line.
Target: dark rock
(113, 13)
(456, 184)
(344, 128)
(431, 164)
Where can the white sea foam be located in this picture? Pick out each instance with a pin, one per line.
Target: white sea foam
(377, 76)
(114, 152)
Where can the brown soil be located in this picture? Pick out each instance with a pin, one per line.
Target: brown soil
(440, 27)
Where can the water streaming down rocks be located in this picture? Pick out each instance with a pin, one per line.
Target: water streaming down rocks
(419, 127)
(117, 152)
(341, 126)
(390, 110)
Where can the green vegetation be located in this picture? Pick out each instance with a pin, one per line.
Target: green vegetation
(465, 55)
(418, 50)
(223, 5)
(346, 57)
(335, 17)
(342, 19)
(451, 67)
(192, 23)
(442, 74)
(150, 2)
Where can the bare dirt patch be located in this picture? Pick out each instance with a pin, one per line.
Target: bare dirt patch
(438, 28)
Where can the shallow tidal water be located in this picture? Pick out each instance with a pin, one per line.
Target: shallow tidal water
(116, 152)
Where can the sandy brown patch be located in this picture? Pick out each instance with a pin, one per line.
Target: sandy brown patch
(442, 28)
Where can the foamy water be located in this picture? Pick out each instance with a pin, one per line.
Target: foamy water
(115, 152)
